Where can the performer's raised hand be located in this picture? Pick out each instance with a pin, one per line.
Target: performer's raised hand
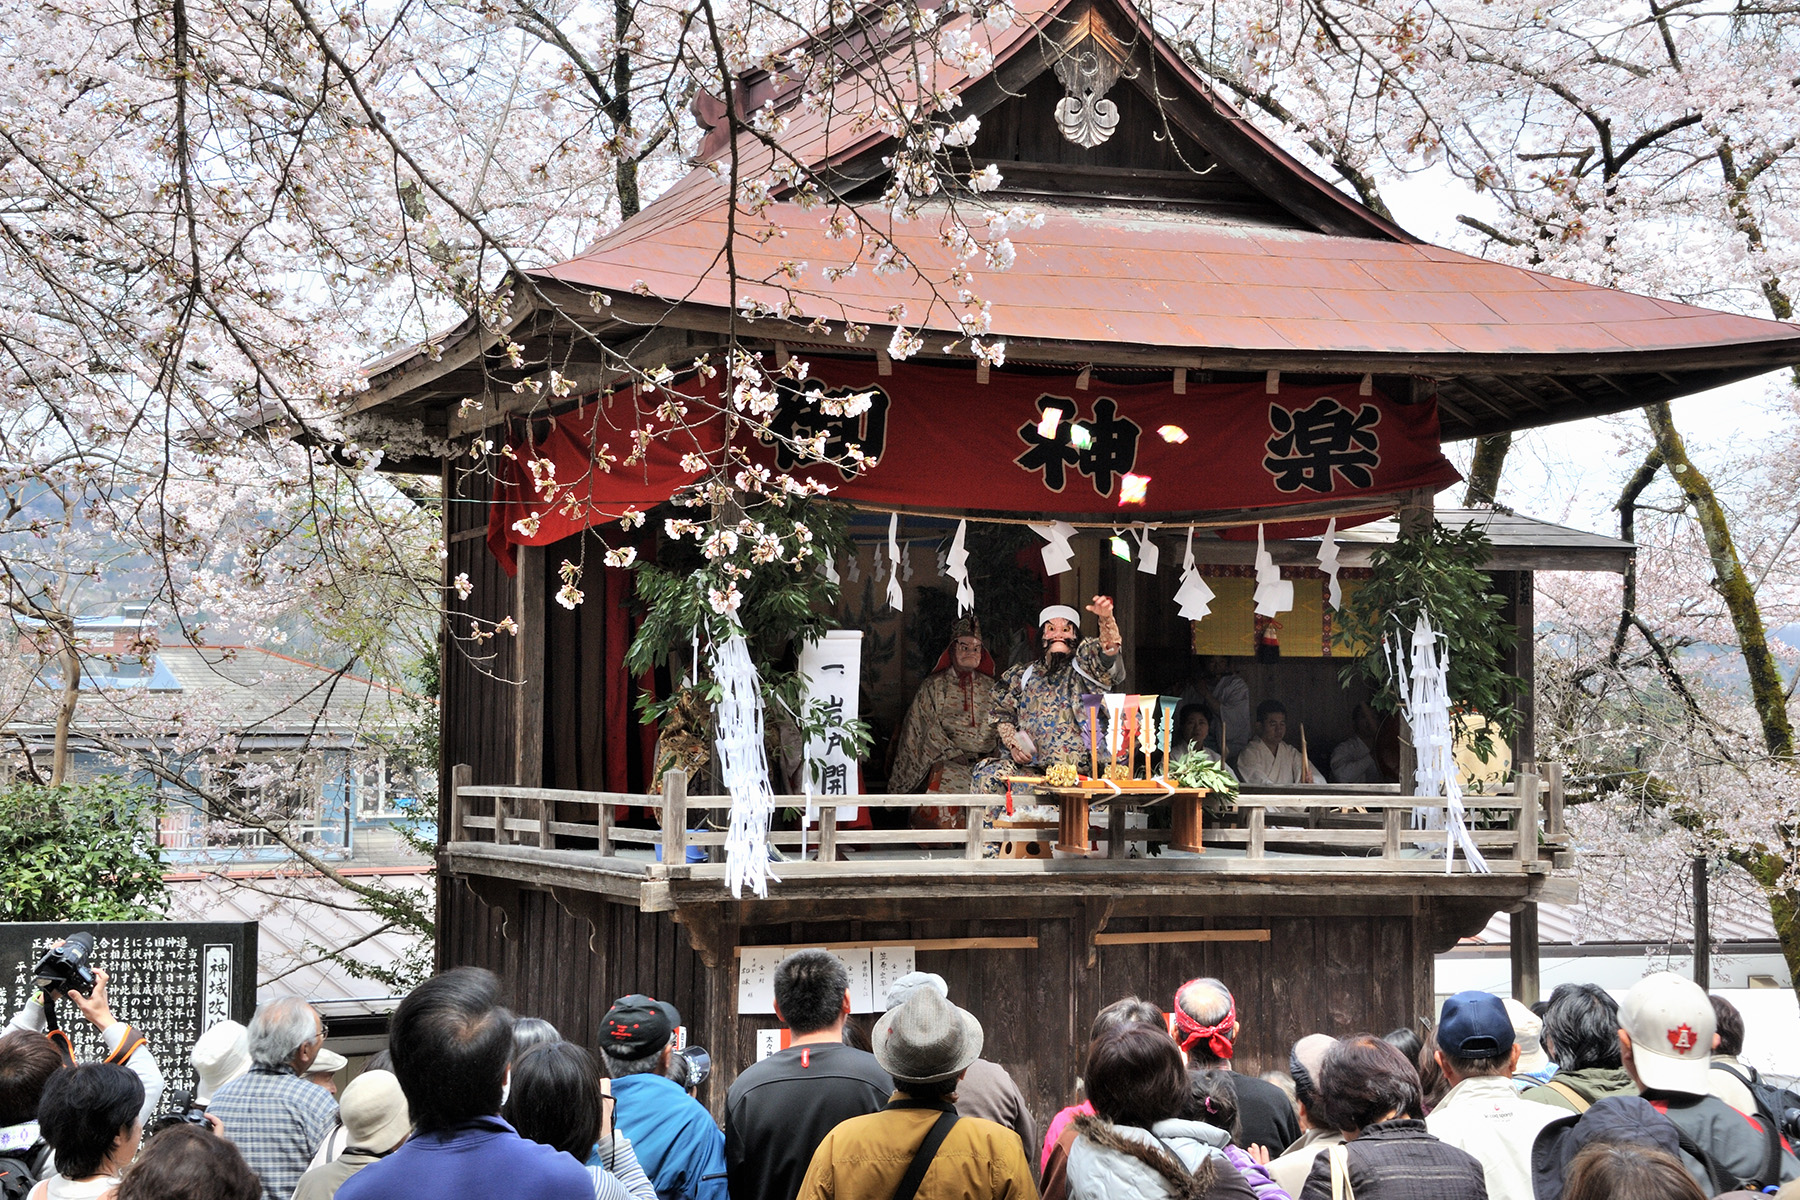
(1102, 607)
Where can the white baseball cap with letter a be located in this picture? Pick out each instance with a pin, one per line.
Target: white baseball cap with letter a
(1671, 1022)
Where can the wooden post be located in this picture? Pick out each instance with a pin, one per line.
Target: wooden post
(1702, 927)
(1253, 846)
(1393, 823)
(972, 831)
(1524, 948)
(1072, 824)
(603, 827)
(503, 807)
(460, 778)
(1528, 817)
(828, 833)
(1116, 845)
(531, 614)
(1553, 801)
(546, 813)
(674, 819)
(1184, 824)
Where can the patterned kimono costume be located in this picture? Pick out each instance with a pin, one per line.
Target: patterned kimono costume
(1046, 705)
(946, 731)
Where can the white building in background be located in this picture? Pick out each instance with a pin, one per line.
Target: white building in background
(1617, 946)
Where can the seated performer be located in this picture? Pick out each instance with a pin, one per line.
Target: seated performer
(1036, 710)
(1268, 758)
(1353, 761)
(946, 731)
(1194, 726)
(1224, 691)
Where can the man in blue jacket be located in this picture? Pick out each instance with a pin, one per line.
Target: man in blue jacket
(677, 1143)
(451, 1042)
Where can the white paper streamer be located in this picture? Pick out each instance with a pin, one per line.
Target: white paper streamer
(896, 594)
(853, 568)
(1149, 553)
(1115, 723)
(1273, 594)
(829, 565)
(1426, 698)
(906, 567)
(1328, 563)
(956, 566)
(1193, 598)
(1057, 554)
(743, 766)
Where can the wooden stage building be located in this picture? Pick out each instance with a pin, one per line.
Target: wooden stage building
(1188, 272)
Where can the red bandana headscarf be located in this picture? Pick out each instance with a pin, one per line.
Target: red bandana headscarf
(1217, 1037)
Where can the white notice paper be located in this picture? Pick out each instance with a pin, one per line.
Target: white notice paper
(889, 964)
(756, 978)
(768, 1041)
(832, 668)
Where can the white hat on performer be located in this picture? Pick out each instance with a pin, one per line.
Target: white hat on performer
(1058, 610)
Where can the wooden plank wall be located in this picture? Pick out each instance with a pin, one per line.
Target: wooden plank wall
(559, 967)
(478, 702)
(1336, 974)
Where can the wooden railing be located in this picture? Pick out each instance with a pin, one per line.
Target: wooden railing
(1521, 825)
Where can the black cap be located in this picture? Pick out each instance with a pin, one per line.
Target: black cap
(637, 1026)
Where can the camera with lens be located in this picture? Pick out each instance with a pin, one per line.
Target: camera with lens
(183, 1112)
(690, 1066)
(65, 969)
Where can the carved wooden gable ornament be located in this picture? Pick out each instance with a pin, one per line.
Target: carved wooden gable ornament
(1089, 62)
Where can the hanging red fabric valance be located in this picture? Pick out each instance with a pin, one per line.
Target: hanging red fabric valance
(945, 443)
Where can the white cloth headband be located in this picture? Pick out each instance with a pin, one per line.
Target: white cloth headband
(1059, 610)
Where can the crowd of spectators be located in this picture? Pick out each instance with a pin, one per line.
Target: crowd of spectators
(1578, 1098)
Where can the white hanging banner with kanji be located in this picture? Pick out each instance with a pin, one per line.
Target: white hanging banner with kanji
(832, 668)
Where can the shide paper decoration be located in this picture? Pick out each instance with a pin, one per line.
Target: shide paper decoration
(956, 566)
(1193, 598)
(896, 593)
(1149, 553)
(1426, 697)
(1328, 563)
(1058, 554)
(743, 767)
(1273, 594)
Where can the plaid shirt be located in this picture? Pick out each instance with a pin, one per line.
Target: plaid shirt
(277, 1119)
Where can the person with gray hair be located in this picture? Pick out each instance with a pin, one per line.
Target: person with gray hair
(274, 1115)
(1207, 1027)
(987, 1090)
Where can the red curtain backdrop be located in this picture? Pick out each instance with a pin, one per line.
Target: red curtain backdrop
(943, 442)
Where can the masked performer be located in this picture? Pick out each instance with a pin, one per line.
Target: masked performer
(946, 731)
(1037, 706)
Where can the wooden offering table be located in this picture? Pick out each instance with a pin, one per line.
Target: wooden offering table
(1073, 803)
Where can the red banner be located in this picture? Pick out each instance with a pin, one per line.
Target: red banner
(943, 442)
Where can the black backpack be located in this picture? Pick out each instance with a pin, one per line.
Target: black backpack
(19, 1173)
(1775, 1102)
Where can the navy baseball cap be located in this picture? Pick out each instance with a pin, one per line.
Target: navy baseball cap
(637, 1026)
(1474, 1025)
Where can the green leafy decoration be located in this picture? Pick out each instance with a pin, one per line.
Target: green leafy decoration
(1195, 768)
(1442, 571)
(81, 852)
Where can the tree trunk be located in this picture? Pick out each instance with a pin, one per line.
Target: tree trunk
(1768, 865)
(65, 711)
(1766, 690)
(1484, 470)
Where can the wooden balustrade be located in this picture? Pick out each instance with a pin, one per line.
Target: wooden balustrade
(1356, 828)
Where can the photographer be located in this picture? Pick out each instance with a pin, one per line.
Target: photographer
(124, 1045)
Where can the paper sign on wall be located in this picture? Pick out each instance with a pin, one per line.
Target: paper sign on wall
(756, 978)
(872, 970)
(768, 1041)
(889, 963)
(832, 668)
